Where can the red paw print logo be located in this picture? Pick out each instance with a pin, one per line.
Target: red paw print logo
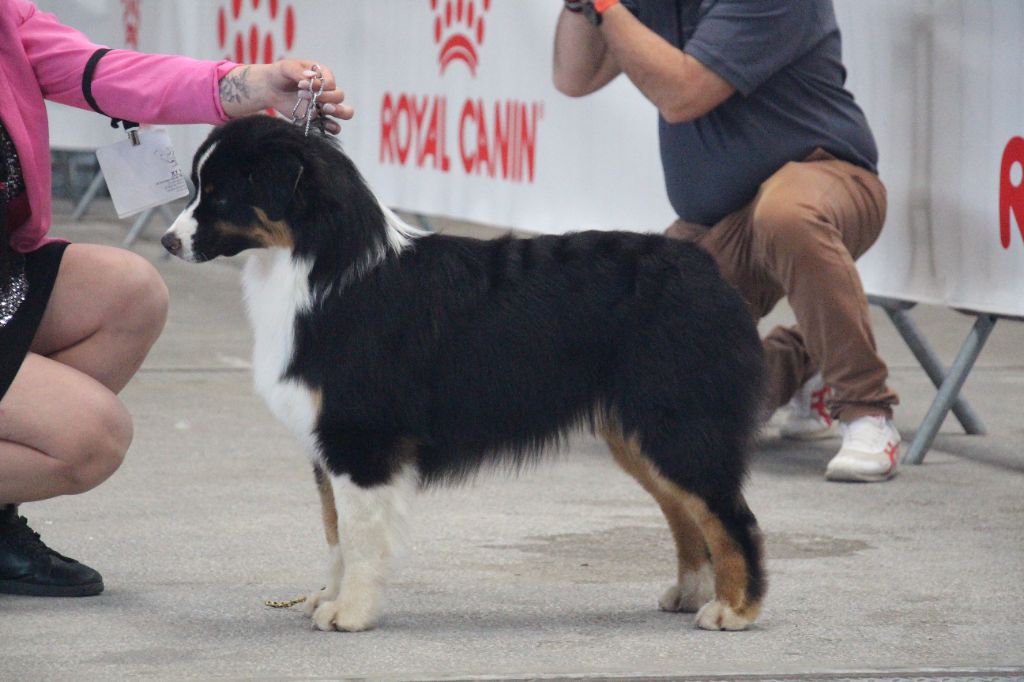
(459, 30)
(255, 31)
(130, 18)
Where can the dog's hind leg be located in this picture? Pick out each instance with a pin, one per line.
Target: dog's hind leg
(370, 523)
(730, 534)
(335, 565)
(695, 584)
(734, 539)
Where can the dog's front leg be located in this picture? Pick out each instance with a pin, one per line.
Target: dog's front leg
(370, 525)
(335, 565)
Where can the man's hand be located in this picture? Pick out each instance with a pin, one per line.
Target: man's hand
(253, 88)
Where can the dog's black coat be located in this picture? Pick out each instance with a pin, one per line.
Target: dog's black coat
(464, 351)
(476, 347)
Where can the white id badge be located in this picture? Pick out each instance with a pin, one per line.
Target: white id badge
(144, 175)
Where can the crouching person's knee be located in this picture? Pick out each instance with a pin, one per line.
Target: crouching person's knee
(100, 444)
(145, 297)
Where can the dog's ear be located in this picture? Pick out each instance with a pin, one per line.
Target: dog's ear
(275, 184)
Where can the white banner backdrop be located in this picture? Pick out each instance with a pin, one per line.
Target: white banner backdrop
(456, 112)
(942, 83)
(456, 115)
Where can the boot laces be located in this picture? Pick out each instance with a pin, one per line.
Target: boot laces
(19, 535)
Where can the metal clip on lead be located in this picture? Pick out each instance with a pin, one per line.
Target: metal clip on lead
(312, 106)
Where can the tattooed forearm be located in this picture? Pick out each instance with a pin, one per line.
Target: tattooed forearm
(235, 89)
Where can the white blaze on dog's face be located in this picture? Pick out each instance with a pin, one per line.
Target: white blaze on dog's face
(234, 208)
(178, 238)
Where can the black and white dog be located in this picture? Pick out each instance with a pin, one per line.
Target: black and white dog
(401, 359)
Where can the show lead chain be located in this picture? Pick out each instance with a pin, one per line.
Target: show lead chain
(312, 105)
(284, 604)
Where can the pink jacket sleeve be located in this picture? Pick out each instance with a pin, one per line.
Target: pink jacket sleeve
(147, 88)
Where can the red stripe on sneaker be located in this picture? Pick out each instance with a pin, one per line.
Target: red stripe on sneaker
(890, 451)
(818, 399)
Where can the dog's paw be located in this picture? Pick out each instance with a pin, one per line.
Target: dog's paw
(694, 590)
(682, 599)
(346, 615)
(316, 598)
(718, 616)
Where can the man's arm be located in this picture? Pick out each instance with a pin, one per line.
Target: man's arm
(680, 86)
(583, 63)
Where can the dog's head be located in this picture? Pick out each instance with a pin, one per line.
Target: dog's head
(246, 176)
(261, 183)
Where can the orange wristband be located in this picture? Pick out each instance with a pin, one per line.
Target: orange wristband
(602, 5)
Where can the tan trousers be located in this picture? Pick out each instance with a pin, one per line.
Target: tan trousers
(798, 238)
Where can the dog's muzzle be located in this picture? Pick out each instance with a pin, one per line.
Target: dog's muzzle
(172, 243)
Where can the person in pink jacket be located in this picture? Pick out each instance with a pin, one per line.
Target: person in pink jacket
(77, 320)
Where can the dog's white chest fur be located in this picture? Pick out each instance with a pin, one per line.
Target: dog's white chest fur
(276, 289)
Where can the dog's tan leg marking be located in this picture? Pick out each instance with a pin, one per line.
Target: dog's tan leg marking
(695, 585)
(335, 566)
(328, 510)
(730, 610)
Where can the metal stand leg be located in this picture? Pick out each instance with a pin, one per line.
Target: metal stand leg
(950, 388)
(929, 361)
(87, 197)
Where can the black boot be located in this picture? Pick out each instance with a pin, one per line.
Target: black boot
(27, 566)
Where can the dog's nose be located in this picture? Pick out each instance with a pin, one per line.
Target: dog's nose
(171, 243)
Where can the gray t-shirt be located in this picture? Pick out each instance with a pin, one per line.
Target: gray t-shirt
(784, 57)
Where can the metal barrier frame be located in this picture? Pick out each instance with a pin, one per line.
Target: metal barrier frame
(948, 383)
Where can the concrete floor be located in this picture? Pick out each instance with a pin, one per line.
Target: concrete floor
(553, 573)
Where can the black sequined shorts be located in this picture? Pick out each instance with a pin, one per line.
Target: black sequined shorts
(16, 336)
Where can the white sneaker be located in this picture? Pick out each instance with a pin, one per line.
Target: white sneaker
(808, 417)
(869, 451)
